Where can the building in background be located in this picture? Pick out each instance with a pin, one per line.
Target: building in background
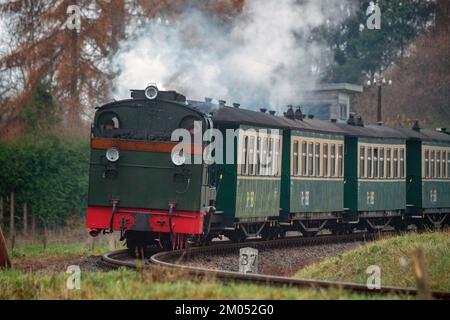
(329, 101)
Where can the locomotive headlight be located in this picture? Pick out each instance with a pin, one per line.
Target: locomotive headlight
(112, 154)
(151, 92)
(178, 158)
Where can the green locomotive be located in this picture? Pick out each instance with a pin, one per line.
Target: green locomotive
(283, 173)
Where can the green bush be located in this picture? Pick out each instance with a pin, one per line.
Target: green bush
(49, 173)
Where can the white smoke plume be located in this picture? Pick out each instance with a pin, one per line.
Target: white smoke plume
(263, 58)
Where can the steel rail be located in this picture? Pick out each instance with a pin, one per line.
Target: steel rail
(164, 259)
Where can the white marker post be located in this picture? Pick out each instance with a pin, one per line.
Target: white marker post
(248, 260)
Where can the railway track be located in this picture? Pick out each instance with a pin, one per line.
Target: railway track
(172, 260)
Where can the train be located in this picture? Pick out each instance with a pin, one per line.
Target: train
(288, 172)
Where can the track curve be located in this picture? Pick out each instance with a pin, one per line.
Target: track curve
(165, 259)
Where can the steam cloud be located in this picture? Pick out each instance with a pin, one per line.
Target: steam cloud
(264, 57)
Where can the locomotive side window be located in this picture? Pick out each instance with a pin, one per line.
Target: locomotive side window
(432, 164)
(304, 161)
(310, 159)
(341, 160)
(325, 159)
(395, 163)
(369, 162)
(438, 164)
(362, 161)
(251, 157)
(402, 163)
(295, 160)
(317, 159)
(381, 162)
(388, 163)
(333, 160)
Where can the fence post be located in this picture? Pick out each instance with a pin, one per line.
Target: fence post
(33, 224)
(25, 219)
(4, 258)
(1, 211)
(11, 217)
(420, 274)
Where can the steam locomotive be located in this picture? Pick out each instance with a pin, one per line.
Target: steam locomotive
(307, 175)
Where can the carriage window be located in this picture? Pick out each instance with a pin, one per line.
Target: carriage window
(341, 160)
(438, 164)
(258, 156)
(388, 162)
(310, 159)
(317, 154)
(381, 162)
(395, 163)
(432, 164)
(264, 157)
(244, 157)
(277, 153)
(361, 161)
(369, 162)
(444, 164)
(375, 162)
(295, 159)
(402, 163)
(304, 158)
(251, 158)
(448, 164)
(270, 158)
(333, 158)
(427, 163)
(325, 160)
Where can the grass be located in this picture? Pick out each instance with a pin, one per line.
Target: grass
(393, 256)
(128, 284)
